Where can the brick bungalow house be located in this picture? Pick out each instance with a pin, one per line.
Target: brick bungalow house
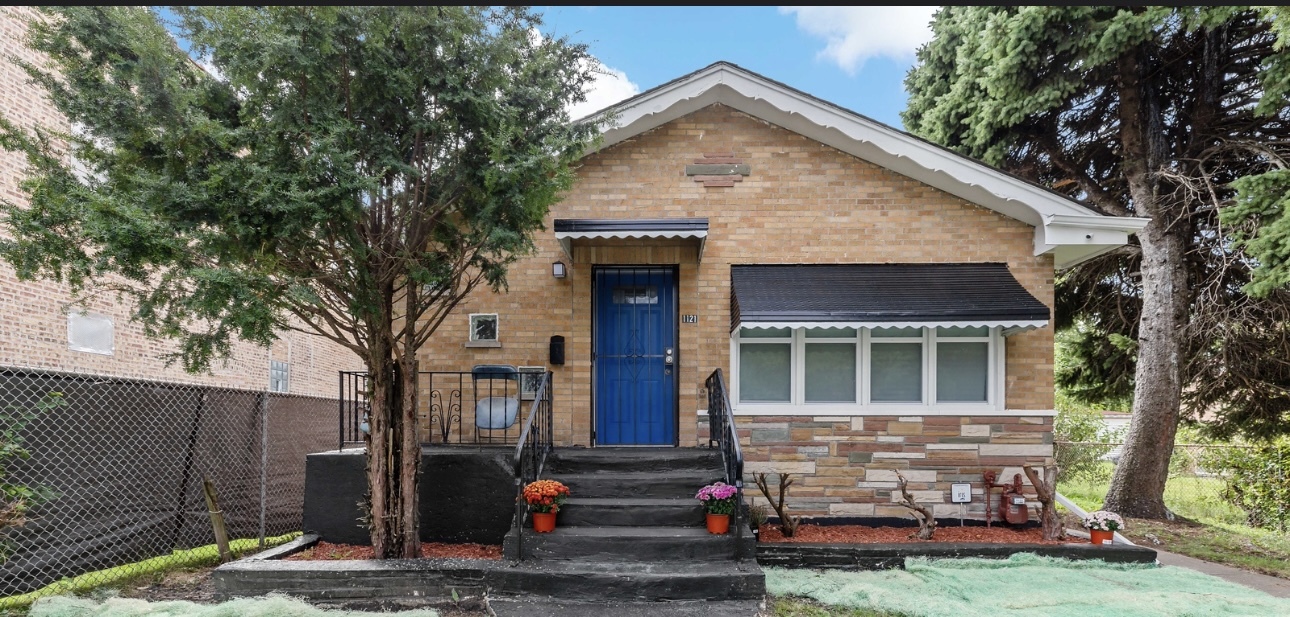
(875, 302)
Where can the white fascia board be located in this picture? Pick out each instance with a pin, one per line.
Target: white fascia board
(1073, 239)
(882, 145)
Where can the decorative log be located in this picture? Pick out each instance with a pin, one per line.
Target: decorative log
(217, 520)
(923, 514)
(787, 524)
(1046, 490)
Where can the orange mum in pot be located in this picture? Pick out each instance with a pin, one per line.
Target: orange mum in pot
(545, 495)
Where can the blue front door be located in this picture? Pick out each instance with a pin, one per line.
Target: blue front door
(635, 331)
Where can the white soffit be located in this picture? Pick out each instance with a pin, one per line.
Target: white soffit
(566, 238)
(1071, 231)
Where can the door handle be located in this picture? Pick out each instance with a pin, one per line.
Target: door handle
(669, 356)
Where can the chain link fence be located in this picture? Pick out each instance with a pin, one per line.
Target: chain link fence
(113, 471)
(1230, 484)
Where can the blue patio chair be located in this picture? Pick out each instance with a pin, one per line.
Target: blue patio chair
(496, 412)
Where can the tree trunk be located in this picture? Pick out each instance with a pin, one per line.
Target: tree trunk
(393, 457)
(1046, 489)
(1138, 486)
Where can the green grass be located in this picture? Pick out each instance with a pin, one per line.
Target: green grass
(1259, 550)
(1210, 529)
(1195, 498)
(190, 558)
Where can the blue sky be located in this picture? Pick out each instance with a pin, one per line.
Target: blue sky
(855, 57)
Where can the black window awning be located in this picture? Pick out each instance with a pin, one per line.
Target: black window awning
(882, 295)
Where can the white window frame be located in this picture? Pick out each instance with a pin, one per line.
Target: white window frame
(797, 405)
(497, 330)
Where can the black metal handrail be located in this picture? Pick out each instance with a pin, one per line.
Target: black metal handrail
(478, 407)
(536, 442)
(723, 434)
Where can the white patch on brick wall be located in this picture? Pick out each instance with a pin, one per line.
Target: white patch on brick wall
(900, 455)
(90, 332)
(1009, 449)
(911, 475)
(778, 467)
(975, 430)
(854, 509)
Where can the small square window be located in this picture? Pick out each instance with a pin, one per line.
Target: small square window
(530, 379)
(279, 376)
(483, 327)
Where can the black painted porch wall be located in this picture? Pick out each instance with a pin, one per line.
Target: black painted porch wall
(467, 495)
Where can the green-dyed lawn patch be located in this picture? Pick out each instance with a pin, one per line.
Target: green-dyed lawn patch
(272, 606)
(1026, 586)
(190, 558)
(797, 607)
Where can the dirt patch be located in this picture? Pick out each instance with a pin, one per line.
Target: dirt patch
(329, 551)
(863, 534)
(193, 585)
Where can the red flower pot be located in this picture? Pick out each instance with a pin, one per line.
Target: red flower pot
(544, 522)
(1101, 538)
(718, 523)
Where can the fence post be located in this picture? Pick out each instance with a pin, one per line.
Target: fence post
(181, 497)
(264, 461)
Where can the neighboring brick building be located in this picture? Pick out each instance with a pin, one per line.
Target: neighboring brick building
(37, 331)
(725, 171)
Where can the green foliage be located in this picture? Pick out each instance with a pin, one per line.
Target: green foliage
(1093, 368)
(1081, 440)
(1257, 480)
(176, 560)
(1261, 217)
(1171, 113)
(337, 166)
(16, 500)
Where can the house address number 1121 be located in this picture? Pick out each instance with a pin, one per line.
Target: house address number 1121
(689, 319)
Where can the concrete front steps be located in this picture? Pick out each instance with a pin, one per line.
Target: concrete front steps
(632, 530)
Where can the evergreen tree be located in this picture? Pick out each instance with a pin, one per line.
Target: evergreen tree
(350, 171)
(1159, 112)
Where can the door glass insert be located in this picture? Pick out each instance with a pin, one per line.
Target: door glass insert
(636, 294)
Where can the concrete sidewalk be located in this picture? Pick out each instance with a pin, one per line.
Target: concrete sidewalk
(1270, 585)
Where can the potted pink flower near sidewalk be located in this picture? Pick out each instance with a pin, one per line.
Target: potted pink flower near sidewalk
(718, 502)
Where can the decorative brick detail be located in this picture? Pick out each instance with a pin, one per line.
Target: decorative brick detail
(719, 169)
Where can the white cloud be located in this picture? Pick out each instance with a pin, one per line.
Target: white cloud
(609, 87)
(856, 33)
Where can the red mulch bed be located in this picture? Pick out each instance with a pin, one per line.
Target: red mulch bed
(862, 534)
(327, 550)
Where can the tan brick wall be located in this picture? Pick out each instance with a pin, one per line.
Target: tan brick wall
(33, 332)
(802, 203)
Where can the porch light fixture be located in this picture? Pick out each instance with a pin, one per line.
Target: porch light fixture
(558, 270)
